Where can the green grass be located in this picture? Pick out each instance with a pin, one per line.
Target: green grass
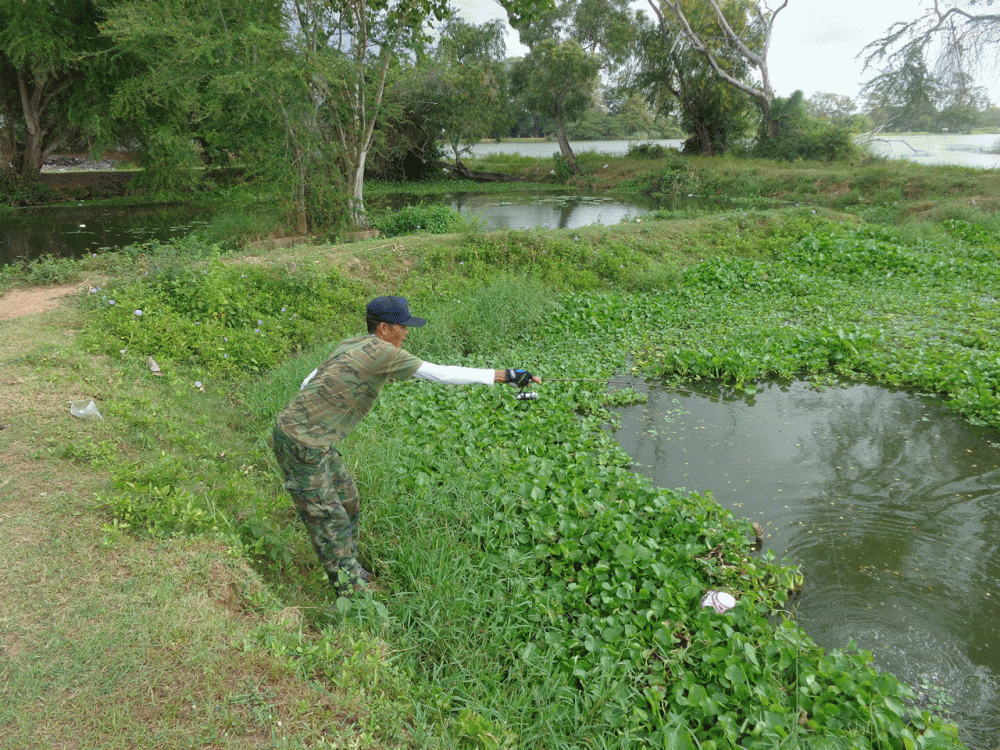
(533, 592)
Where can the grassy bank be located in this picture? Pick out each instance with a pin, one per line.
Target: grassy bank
(880, 190)
(533, 592)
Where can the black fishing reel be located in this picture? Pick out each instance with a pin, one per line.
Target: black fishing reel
(521, 378)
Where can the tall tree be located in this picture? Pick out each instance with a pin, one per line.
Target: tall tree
(460, 92)
(675, 76)
(570, 41)
(746, 28)
(904, 99)
(215, 72)
(55, 74)
(301, 80)
(558, 79)
(960, 103)
(361, 40)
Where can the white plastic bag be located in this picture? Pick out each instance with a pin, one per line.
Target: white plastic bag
(86, 409)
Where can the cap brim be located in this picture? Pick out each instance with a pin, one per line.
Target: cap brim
(414, 322)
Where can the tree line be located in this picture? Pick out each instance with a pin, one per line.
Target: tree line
(312, 95)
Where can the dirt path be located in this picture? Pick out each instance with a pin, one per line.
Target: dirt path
(20, 302)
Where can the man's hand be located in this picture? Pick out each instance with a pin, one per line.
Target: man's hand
(521, 378)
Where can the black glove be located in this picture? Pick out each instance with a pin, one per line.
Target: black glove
(519, 377)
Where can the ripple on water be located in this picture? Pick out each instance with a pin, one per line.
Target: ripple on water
(888, 502)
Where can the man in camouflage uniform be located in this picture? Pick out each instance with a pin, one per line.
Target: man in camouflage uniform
(333, 399)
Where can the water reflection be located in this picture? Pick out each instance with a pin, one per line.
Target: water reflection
(888, 502)
(550, 211)
(72, 232)
(537, 209)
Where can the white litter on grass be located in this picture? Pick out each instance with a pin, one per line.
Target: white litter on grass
(720, 601)
(85, 409)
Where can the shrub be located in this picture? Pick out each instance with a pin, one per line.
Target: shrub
(797, 136)
(676, 177)
(563, 169)
(17, 191)
(433, 219)
(221, 317)
(647, 151)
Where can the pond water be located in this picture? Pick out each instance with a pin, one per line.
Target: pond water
(889, 503)
(545, 149)
(74, 231)
(533, 208)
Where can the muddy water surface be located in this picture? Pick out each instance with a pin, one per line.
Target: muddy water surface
(890, 504)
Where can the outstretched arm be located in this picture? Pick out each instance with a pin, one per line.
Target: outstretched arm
(455, 375)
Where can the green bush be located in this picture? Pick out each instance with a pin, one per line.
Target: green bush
(648, 151)
(223, 317)
(17, 191)
(794, 135)
(813, 141)
(563, 169)
(432, 219)
(46, 270)
(675, 178)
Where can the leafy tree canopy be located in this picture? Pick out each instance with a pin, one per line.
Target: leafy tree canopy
(56, 70)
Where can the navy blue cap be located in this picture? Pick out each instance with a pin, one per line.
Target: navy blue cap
(393, 310)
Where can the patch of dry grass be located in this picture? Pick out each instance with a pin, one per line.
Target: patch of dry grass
(112, 641)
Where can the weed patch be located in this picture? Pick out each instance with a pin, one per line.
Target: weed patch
(533, 591)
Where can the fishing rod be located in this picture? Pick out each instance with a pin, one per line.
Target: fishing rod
(531, 396)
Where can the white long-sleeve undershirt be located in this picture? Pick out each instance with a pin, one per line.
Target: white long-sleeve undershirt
(446, 374)
(455, 375)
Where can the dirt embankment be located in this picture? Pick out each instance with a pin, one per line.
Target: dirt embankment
(81, 174)
(90, 184)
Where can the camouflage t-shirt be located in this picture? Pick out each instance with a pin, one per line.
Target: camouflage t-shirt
(344, 390)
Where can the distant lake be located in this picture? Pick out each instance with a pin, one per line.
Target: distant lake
(941, 148)
(971, 150)
(542, 149)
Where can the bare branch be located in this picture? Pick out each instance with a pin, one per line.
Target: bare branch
(967, 40)
(763, 94)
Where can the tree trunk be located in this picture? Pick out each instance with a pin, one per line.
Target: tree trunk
(301, 212)
(356, 191)
(768, 125)
(705, 137)
(565, 149)
(31, 156)
(456, 147)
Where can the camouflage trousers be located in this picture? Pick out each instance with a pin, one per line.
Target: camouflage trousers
(327, 501)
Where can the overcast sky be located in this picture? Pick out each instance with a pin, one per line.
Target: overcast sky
(813, 46)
